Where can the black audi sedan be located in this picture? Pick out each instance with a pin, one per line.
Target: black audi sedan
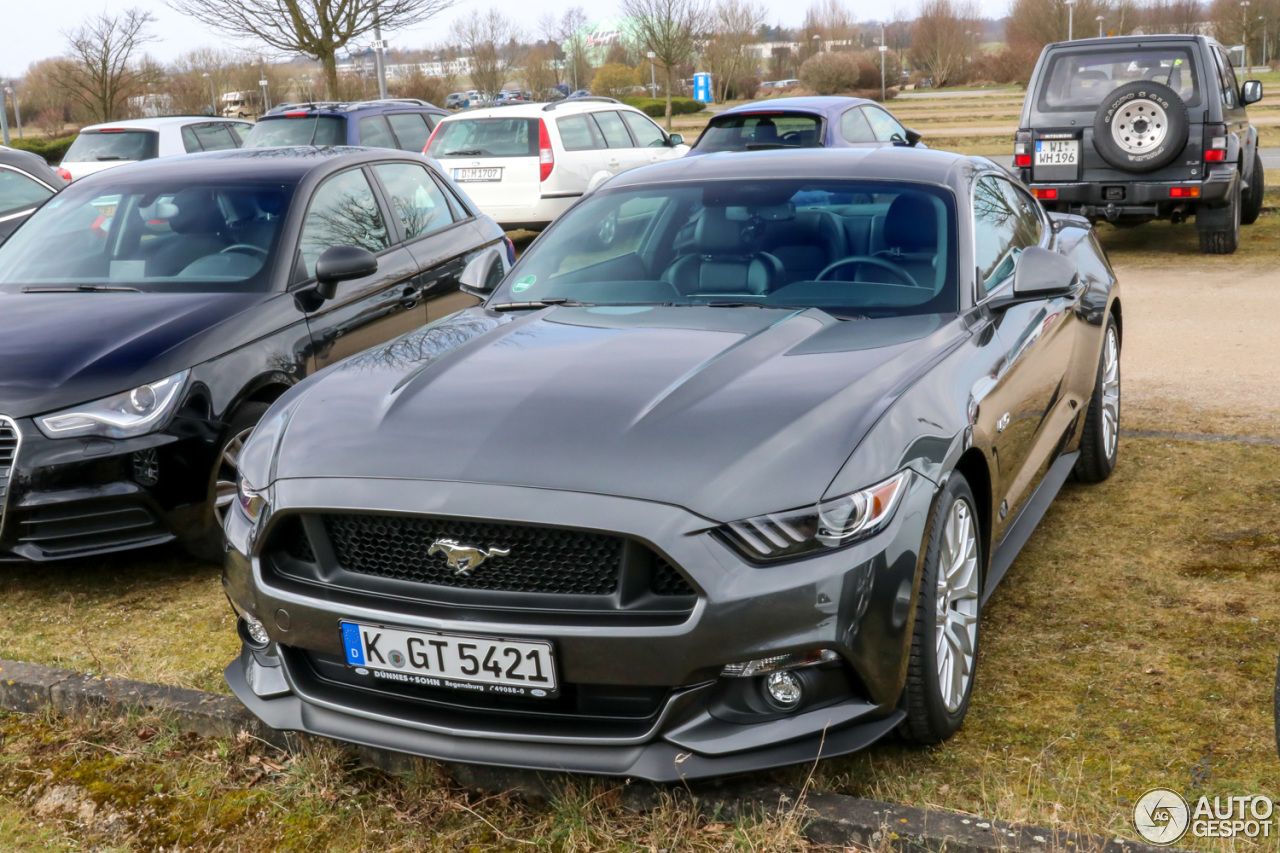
(149, 315)
(26, 182)
(716, 479)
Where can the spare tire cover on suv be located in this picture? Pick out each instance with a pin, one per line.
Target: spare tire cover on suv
(1141, 127)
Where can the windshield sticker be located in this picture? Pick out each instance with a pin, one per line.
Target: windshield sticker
(524, 284)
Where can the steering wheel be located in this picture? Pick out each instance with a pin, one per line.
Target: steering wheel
(875, 262)
(252, 248)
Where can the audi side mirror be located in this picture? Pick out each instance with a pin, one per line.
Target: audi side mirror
(483, 273)
(342, 263)
(1251, 92)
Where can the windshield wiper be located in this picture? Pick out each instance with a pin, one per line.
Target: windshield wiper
(538, 303)
(464, 152)
(82, 288)
(740, 305)
(99, 158)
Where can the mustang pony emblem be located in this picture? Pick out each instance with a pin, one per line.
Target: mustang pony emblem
(464, 558)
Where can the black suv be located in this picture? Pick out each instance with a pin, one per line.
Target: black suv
(1143, 127)
(404, 123)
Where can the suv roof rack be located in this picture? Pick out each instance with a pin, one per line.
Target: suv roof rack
(563, 101)
(347, 106)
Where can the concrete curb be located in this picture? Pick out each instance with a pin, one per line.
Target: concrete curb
(831, 819)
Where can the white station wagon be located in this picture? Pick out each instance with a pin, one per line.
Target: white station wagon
(526, 164)
(105, 146)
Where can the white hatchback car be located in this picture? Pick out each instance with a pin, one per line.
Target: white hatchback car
(103, 146)
(526, 164)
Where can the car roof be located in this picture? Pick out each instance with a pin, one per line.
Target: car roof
(888, 163)
(1122, 41)
(811, 104)
(349, 107)
(287, 164)
(30, 163)
(537, 109)
(161, 122)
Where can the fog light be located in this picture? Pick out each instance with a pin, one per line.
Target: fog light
(784, 688)
(254, 632)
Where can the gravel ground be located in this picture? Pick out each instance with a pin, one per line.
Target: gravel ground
(1201, 349)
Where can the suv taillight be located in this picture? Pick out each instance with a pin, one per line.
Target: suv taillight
(1215, 143)
(546, 157)
(1022, 149)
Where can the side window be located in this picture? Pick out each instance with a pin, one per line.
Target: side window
(343, 212)
(647, 134)
(854, 126)
(375, 134)
(214, 136)
(884, 126)
(417, 201)
(1026, 215)
(239, 131)
(189, 141)
(999, 231)
(1227, 75)
(575, 133)
(614, 131)
(17, 191)
(411, 130)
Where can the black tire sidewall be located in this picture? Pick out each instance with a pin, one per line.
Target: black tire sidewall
(207, 543)
(1174, 142)
(1257, 191)
(1095, 465)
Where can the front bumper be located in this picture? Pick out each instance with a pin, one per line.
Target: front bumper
(1112, 200)
(81, 497)
(856, 601)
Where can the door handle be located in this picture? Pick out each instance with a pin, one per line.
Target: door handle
(409, 297)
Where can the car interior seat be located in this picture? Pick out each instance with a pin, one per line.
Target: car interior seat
(724, 261)
(199, 222)
(910, 239)
(765, 133)
(806, 244)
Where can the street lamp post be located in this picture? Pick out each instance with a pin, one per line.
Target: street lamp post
(653, 75)
(1263, 18)
(4, 123)
(266, 101)
(1244, 31)
(1071, 13)
(1099, 20)
(213, 99)
(884, 50)
(17, 111)
(378, 46)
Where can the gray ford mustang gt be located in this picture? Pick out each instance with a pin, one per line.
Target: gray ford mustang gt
(717, 478)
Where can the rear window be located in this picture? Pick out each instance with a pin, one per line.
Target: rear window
(282, 131)
(486, 137)
(1081, 81)
(98, 146)
(755, 131)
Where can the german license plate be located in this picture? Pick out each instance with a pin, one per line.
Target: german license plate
(1057, 152)
(453, 661)
(489, 174)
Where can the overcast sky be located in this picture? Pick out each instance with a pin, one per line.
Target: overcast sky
(34, 30)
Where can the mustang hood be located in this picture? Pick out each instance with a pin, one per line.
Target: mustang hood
(61, 349)
(727, 412)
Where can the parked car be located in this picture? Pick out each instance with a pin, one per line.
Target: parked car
(26, 182)
(455, 100)
(691, 505)
(815, 122)
(526, 164)
(1139, 128)
(154, 312)
(105, 146)
(398, 123)
(514, 96)
(580, 93)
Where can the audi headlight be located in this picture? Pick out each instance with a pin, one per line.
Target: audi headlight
(252, 502)
(125, 415)
(829, 524)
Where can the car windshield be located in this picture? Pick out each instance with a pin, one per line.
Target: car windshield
(758, 131)
(872, 248)
(95, 146)
(288, 131)
(182, 235)
(1083, 80)
(485, 137)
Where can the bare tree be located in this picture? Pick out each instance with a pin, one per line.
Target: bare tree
(539, 69)
(105, 67)
(943, 37)
(314, 28)
(1185, 16)
(568, 31)
(831, 20)
(489, 38)
(733, 26)
(670, 29)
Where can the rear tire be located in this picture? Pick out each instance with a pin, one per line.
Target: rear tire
(1257, 190)
(1100, 443)
(208, 544)
(944, 640)
(1223, 241)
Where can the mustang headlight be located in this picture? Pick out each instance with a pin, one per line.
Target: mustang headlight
(829, 524)
(252, 502)
(126, 415)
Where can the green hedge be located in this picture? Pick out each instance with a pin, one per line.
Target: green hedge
(52, 150)
(657, 107)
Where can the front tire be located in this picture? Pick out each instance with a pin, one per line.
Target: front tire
(944, 641)
(1257, 190)
(1100, 443)
(207, 545)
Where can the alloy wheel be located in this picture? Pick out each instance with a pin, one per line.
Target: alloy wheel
(224, 488)
(956, 622)
(1111, 393)
(1140, 127)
